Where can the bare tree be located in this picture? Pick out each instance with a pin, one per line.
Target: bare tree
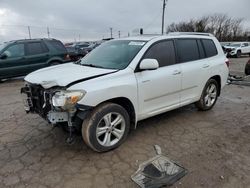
(220, 25)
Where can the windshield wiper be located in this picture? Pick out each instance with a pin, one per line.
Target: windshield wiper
(92, 65)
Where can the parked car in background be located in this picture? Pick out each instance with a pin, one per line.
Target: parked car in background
(20, 57)
(236, 49)
(127, 80)
(79, 50)
(75, 53)
(90, 47)
(247, 68)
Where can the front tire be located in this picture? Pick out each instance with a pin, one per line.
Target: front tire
(209, 96)
(106, 128)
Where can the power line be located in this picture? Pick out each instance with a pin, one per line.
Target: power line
(35, 26)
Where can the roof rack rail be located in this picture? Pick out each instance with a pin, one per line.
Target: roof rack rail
(33, 39)
(190, 33)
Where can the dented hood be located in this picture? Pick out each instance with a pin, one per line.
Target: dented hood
(64, 75)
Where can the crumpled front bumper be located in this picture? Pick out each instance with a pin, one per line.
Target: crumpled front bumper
(38, 100)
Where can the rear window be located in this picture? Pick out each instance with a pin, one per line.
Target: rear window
(35, 48)
(57, 45)
(187, 50)
(210, 48)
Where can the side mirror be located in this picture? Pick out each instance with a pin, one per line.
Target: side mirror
(3, 56)
(149, 64)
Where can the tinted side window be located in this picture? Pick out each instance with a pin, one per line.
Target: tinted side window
(57, 45)
(35, 48)
(201, 49)
(187, 50)
(16, 50)
(210, 47)
(163, 51)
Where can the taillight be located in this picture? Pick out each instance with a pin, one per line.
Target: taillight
(227, 62)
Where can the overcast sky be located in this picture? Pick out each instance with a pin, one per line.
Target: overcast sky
(91, 19)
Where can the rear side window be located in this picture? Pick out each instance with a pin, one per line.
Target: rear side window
(245, 44)
(210, 48)
(187, 50)
(163, 52)
(57, 45)
(35, 48)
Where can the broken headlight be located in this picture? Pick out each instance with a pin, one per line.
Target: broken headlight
(67, 99)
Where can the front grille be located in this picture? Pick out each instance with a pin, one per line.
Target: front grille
(40, 100)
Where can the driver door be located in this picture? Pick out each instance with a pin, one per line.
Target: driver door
(159, 90)
(12, 64)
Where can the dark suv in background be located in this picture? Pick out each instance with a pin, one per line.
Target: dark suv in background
(20, 57)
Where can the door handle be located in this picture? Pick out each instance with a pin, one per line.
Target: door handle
(145, 81)
(176, 72)
(205, 66)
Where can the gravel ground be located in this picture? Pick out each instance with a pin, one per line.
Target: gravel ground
(213, 145)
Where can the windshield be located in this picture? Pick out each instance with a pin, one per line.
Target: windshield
(235, 45)
(2, 46)
(113, 54)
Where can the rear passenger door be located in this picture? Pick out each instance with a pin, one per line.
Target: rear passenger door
(159, 90)
(36, 55)
(195, 68)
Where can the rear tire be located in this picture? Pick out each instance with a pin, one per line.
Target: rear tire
(106, 128)
(209, 96)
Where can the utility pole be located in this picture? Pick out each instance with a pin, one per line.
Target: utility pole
(79, 37)
(111, 32)
(29, 32)
(48, 32)
(163, 16)
(119, 34)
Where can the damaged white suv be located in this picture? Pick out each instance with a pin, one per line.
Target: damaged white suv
(127, 80)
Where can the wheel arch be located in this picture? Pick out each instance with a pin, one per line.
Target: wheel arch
(217, 78)
(127, 105)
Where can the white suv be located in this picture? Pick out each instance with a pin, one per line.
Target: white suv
(236, 49)
(127, 80)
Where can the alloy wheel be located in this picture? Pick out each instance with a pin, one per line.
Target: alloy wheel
(110, 129)
(211, 95)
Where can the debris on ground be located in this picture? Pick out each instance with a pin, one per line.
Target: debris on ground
(238, 80)
(158, 171)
